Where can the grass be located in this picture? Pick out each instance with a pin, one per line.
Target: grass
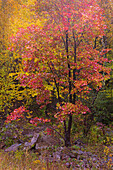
(26, 161)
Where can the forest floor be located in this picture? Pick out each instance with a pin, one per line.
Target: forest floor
(20, 160)
(93, 154)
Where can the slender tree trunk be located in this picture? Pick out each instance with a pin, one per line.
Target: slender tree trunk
(68, 129)
(70, 86)
(74, 71)
(68, 132)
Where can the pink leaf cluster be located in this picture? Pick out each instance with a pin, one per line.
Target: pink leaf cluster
(71, 109)
(16, 114)
(37, 120)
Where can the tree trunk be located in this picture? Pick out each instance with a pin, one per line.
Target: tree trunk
(68, 132)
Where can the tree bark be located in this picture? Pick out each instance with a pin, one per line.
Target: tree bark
(68, 129)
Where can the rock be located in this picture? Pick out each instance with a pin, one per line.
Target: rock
(68, 165)
(13, 147)
(40, 148)
(29, 145)
(48, 140)
(57, 155)
(37, 146)
(35, 138)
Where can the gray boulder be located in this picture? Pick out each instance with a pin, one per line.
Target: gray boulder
(13, 147)
(29, 145)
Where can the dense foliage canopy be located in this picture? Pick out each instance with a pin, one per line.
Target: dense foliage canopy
(61, 58)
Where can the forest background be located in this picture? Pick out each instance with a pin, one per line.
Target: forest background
(42, 61)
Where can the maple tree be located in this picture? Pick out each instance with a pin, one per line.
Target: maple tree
(61, 56)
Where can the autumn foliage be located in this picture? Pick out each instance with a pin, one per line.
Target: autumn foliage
(16, 114)
(62, 56)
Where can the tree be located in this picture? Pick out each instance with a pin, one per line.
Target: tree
(105, 105)
(13, 14)
(7, 8)
(61, 56)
